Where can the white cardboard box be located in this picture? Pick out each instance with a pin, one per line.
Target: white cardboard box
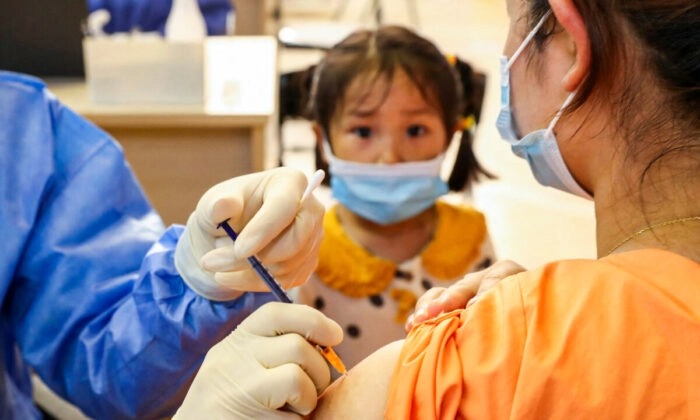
(144, 70)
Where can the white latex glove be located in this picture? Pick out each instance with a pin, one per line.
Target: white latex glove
(265, 365)
(264, 209)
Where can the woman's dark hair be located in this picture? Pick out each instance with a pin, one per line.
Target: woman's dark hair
(645, 60)
(378, 54)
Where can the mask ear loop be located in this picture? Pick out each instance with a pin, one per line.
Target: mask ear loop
(559, 113)
(570, 183)
(326, 145)
(527, 39)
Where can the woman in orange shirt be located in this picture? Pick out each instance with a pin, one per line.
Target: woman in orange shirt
(603, 100)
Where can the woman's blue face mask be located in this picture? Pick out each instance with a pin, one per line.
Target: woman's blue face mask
(539, 148)
(386, 194)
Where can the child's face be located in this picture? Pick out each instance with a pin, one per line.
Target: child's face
(374, 125)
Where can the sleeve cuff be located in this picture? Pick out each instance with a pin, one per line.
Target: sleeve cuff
(199, 280)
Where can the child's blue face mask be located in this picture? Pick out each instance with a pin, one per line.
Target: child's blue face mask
(539, 147)
(386, 194)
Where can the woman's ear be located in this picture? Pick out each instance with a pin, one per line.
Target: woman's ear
(570, 19)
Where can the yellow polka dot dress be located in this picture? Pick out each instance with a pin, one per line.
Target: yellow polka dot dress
(371, 297)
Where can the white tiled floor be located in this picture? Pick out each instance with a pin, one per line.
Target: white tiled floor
(529, 223)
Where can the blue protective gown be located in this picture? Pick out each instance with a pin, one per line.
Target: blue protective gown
(151, 15)
(91, 300)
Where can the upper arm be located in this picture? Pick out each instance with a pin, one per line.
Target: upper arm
(367, 382)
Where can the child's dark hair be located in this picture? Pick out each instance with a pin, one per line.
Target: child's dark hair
(452, 87)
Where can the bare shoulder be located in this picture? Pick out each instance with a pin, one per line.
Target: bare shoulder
(362, 393)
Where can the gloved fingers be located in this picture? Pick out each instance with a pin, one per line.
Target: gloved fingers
(277, 318)
(302, 273)
(289, 247)
(310, 264)
(297, 271)
(224, 242)
(224, 257)
(231, 383)
(279, 203)
(224, 260)
(241, 199)
(295, 239)
(293, 348)
(289, 386)
(224, 201)
(245, 280)
(289, 268)
(237, 198)
(269, 200)
(242, 277)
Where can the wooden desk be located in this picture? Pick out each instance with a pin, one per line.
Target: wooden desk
(178, 152)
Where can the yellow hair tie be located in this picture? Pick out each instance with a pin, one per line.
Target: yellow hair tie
(451, 58)
(467, 123)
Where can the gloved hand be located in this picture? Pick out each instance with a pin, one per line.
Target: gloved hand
(460, 294)
(264, 209)
(265, 365)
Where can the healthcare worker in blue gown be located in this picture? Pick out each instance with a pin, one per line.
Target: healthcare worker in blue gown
(151, 15)
(113, 311)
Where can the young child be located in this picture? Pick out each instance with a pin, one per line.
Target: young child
(385, 106)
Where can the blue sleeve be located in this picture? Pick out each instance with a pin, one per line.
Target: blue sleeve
(151, 15)
(93, 300)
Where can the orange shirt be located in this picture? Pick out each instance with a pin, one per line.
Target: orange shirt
(616, 338)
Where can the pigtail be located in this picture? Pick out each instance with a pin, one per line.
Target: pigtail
(467, 169)
(294, 98)
(295, 92)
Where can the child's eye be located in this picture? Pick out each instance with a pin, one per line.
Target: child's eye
(363, 132)
(415, 130)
